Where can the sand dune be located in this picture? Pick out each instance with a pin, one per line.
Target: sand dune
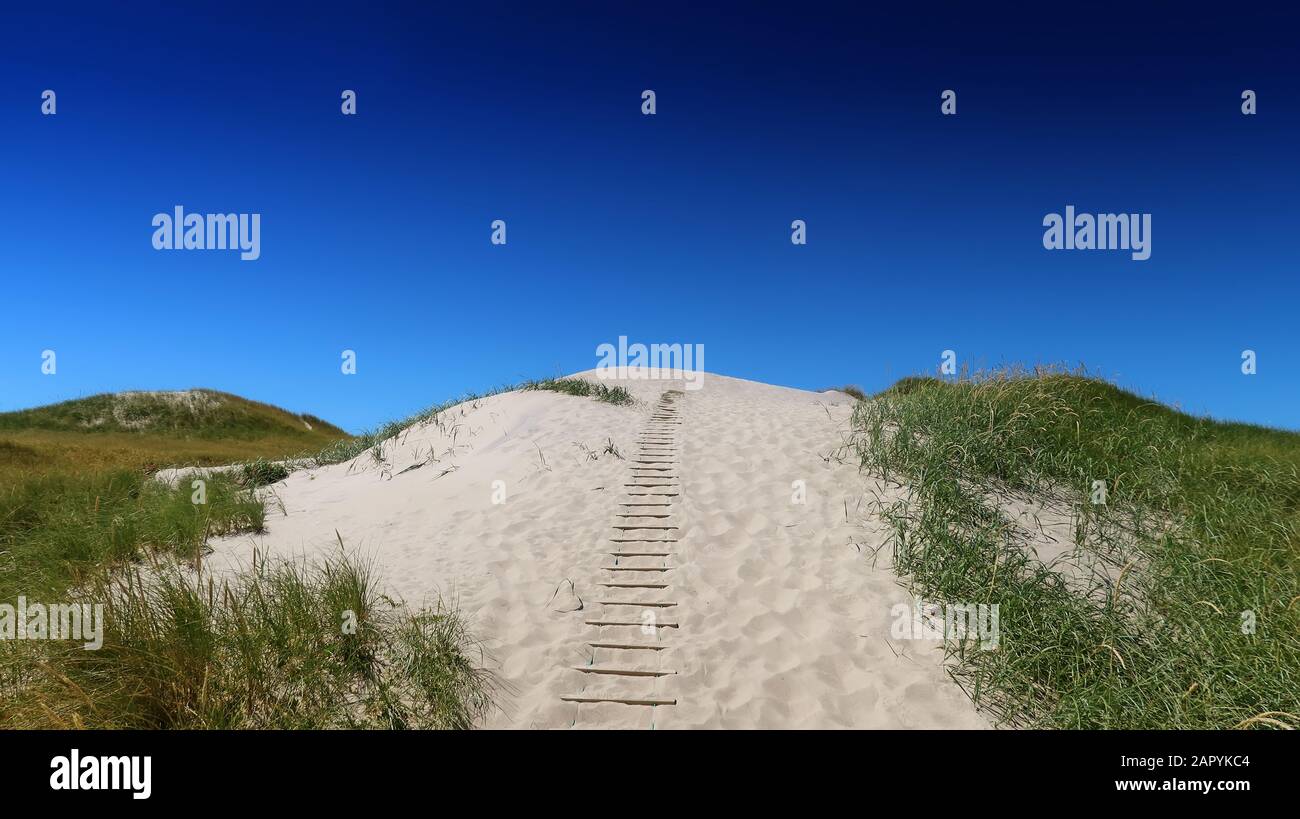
(748, 609)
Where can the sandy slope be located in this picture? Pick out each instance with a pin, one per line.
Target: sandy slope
(782, 620)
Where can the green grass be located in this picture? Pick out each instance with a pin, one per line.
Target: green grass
(262, 472)
(82, 519)
(1204, 517)
(186, 413)
(583, 388)
(284, 646)
(59, 530)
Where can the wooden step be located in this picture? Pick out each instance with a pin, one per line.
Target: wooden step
(642, 540)
(621, 672)
(619, 700)
(650, 604)
(638, 568)
(629, 623)
(629, 646)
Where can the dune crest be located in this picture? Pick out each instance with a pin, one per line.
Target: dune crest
(513, 505)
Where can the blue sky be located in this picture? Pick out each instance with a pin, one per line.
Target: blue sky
(924, 231)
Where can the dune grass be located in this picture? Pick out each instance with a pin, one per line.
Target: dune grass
(1200, 626)
(196, 413)
(284, 646)
(263, 649)
(617, 395)
(59, 530)
(24, 454)
(851, 390)
(261, 472)
(83, 520)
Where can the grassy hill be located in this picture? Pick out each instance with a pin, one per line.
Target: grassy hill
(1198, 624)
(81, 518)
(76, 491)
(149, 430)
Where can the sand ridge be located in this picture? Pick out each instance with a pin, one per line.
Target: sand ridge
(782, 619)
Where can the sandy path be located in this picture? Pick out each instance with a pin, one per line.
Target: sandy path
(634, 621)
(783, 621)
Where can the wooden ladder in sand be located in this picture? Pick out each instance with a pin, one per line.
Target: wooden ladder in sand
(637, 618)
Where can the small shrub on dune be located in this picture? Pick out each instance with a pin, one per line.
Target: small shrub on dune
(851, 390)
(262, 473)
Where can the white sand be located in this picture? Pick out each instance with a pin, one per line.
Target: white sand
(783, 621)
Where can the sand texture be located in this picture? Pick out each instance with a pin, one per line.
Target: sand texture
(745, 607)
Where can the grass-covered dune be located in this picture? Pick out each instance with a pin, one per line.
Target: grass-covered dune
(282, 646)
(198, 412)
(1198, 623)
(149, 430)
(76, 488)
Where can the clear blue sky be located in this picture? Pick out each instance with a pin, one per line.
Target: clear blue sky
(924, 231)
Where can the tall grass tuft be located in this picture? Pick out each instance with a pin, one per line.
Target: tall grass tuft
(283, 645)
(617, 395)
(261, 472)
